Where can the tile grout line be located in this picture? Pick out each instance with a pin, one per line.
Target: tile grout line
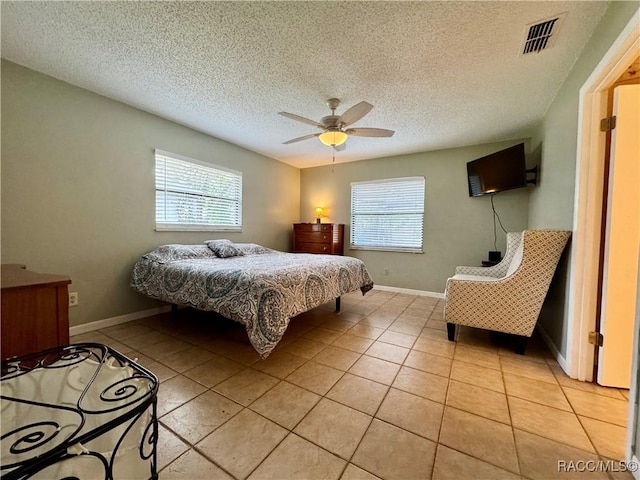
(513, 433)
(373, 417)
(402, 364)
(292, 430)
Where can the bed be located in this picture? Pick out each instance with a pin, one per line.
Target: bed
(256, 286)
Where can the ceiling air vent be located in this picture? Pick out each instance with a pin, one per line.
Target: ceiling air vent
(541, 35)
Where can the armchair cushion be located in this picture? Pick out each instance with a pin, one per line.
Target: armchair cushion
(514, 239)
(475, 278)
(515, 261)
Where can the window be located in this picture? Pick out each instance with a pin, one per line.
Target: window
(194, 195)
(388, 214)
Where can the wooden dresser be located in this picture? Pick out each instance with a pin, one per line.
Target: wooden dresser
(318, 238)
(35, 310)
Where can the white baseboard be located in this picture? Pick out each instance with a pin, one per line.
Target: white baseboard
(421, 293)
(110, 322)
(554, 350)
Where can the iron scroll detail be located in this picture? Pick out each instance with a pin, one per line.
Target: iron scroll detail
(76, 411)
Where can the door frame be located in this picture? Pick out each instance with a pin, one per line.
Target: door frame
(632, 409)
(587, 221)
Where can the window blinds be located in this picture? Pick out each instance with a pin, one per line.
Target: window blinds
(388, 214)
(192, 195)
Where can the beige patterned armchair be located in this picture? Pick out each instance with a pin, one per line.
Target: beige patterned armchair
(508, 296)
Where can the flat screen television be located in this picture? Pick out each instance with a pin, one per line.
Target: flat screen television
(503, 170)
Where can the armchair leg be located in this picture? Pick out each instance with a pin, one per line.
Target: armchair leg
(451, 331)
(521, 344)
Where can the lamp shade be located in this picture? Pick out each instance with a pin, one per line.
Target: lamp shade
(333, 138)
(319, 212)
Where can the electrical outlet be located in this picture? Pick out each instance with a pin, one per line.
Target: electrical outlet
(73, 299)
(386, 271)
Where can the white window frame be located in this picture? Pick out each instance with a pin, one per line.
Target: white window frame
(197, 227)
(385, 185)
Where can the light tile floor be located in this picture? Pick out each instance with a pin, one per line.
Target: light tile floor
(375, 391)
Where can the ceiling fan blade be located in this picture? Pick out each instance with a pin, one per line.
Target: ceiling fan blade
(355, 113)
(300, 139)
(298, 118)
(370, 132)
(340, 148)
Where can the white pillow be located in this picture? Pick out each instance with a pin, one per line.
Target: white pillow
(516, 260)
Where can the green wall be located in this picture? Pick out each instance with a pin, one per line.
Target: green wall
(458, 230)
(555, 142)
(78, 193)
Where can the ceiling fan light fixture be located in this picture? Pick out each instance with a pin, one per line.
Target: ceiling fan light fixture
(333, 138)
(335, 132)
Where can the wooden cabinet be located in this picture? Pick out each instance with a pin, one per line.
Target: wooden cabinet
(35, 311)
(318, 238)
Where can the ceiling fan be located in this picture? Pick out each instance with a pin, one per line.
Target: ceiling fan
(334, 132)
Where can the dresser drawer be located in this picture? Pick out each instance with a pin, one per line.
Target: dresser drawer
(314, 237)
(302, 247)
(313, 227)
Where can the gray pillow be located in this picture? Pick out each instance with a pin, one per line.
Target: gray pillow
(252, 249)
(223, 248)
(170, 253)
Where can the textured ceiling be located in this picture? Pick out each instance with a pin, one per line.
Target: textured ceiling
(441, 74)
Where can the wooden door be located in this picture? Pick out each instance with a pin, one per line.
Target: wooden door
(621, 233)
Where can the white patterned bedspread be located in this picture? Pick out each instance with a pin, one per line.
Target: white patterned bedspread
(262, 289)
